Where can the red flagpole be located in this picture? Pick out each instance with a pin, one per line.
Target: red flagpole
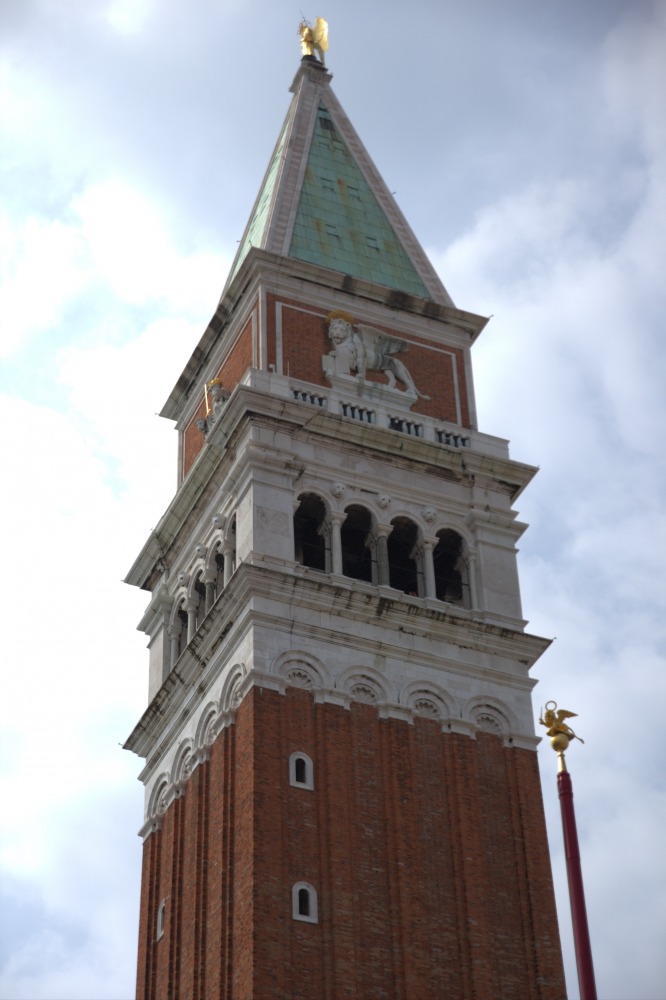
(586, 983)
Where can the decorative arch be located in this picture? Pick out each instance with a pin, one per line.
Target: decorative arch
(301, 669)
(179, 600)
(196, 594)
(159, 797)
(207, 728)
(490, 715)
(210, 562)
(197, 569)
(429, 700)
(232, 690)
(366, 685)
(220, 561)
(183, 763)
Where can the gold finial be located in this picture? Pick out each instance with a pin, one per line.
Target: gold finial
(314, 38)
(560, 733)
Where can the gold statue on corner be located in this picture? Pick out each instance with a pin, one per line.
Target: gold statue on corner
(555, 724)
(314, 39)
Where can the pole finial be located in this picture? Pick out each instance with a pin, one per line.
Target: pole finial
(560, 733)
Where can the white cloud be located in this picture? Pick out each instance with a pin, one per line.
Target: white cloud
(111, 240)
(44, 266)
(131, 251)
(128, 16)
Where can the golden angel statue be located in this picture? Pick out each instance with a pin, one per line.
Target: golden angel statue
(314, 39)
(554, 721)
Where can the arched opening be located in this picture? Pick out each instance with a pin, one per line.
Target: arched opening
(310, 535)
(178, 633)
(451, 577)
(355, 536)
(219, 572)
(404, 566)
(200, 593)
(301, 774)
(304, 903)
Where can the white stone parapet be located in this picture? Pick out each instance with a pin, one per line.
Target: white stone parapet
(378, 405)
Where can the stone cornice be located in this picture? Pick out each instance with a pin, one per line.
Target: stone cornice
(254, 599)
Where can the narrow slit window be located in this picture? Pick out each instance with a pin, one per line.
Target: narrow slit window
(161, 919)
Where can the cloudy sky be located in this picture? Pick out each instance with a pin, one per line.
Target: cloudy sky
(526, 144)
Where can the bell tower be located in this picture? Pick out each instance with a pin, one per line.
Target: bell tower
(341, 788)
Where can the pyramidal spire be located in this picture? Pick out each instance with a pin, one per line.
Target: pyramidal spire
(323, 201)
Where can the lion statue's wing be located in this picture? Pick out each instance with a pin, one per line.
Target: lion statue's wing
(382, 343)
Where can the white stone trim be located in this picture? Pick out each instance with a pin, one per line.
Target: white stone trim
(308, 783)
(312, 917)
(160, 920)
(301, 669)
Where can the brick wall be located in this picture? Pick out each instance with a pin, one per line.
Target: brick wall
(427, 850)
(305, 340)
(237, 362)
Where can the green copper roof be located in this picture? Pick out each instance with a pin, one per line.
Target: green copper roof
(339, 223)
(254, 235)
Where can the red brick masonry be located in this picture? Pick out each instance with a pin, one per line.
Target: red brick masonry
(428, 852)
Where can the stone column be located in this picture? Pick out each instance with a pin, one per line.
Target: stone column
(175, 629)
(335, 522)
(427, 546)
(191, 606)
(381, 540)
(209, 583)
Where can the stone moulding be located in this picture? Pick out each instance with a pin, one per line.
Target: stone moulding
(356, 684)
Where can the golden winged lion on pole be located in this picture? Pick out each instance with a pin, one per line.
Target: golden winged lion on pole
(554, 721)
(314, 39)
